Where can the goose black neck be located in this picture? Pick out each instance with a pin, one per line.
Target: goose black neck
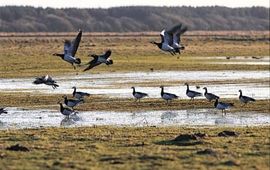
(162, 90)
(133, 90)
(205, 91)
(187, 88)
(74, 91)
(240, 94)
(59, 55)
(61, 107)
(216, 103)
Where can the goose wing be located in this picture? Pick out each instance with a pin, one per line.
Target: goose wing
(178, 33)
(167, 38)
(71, 47)
(107, 54)
(93, 63)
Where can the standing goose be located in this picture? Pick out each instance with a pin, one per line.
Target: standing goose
(138, 95)
(209, 96)
(46, 80)
(70, 49)
(3, 111)
(245, 99)
(99, 59)
(72, 102)
(175, 37)
(191, 93)
(166, 40)
(167, 96)
(65, 111)
(222, 106)
(78, 94)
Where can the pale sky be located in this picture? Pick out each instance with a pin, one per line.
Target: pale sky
(114, 3)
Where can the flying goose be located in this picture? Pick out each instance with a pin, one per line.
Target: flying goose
(170, 39)
(46, 80)
(3, 111)
(191, 93)
(65, 111)
(72, 102)
(164, 44)
(78, 94)
(245, 99)
(99, 59)
(222, 106)
(167, 96)
(70, 49)
(175, 39)
(209, 96)
(138, 95)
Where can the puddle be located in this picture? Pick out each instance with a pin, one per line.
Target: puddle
(117, 84)
(18, 118)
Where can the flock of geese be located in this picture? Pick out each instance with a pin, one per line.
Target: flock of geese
(192, 94)
(170, 42)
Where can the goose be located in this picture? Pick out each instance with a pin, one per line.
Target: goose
(66, 111)
(175, 37)
(72, 102)
(170, 40)
(164, 44)
(78, 94)
(138, 95)
(222, 106)
(167, 96)
(99, 59)
(245, 99)
(70, 49)
(47, 80)
(191, 93)
(3, 111)
(209, 96)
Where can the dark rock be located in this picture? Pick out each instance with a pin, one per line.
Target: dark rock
(18, 147)
(189, 137)
(227, 133)
(207, 152)
(231, 163)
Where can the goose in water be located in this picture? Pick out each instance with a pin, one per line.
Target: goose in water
(70, 49)
(209, 96)
(175, 37)
(99, 59)
(78, 94)
(222, 106)
(167, 96)
(191, 93)
(170, 39)
(245, 99)
(66, 111)
(46, 80)
(72, 102)
(138, 95)
(3, 111)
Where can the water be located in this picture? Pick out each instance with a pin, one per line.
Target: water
(21, 118)
(118, 84)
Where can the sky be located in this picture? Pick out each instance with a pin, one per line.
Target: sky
(114, 3)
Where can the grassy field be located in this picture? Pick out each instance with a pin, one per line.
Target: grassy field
(135, 148)
(108, 147)
(31, 55)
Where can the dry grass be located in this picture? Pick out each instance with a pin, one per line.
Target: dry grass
(28, 56)
(134, 148)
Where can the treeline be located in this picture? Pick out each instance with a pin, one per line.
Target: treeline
(131, 19)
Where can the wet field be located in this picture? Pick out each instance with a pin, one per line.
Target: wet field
(24, 118)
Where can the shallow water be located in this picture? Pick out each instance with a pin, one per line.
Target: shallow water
(18, 118)
(118, 84)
